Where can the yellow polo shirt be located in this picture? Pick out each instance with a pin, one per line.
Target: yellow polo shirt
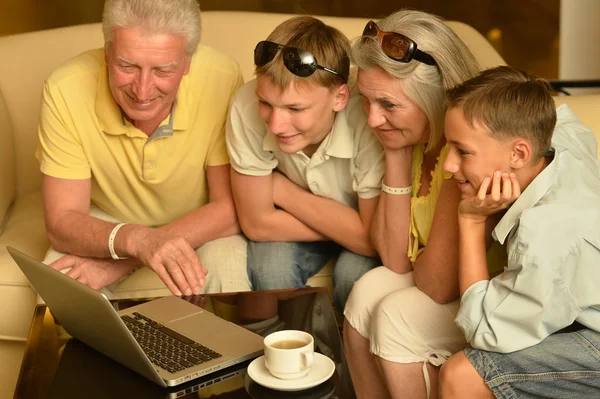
(135, 178)
(348, 164)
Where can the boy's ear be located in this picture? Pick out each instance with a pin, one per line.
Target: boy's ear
(341, 97)
(522, 153)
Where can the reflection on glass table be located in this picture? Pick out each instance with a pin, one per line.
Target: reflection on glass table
(56, 366)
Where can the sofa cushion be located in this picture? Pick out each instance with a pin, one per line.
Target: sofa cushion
(11, 354)
(35, 55)
(7, 163)
(323, 278)
(586, 109)
(23, 230)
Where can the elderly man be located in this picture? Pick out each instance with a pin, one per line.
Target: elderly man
(135, 167)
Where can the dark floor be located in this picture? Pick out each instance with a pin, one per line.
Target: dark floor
(525, 32)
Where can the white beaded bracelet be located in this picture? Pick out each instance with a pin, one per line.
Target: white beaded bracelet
(396, 191)
(111, 242)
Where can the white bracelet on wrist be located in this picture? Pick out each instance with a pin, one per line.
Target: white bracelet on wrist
(111, 242)
(396, 190)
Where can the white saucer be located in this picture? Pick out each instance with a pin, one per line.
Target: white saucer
(322, 368)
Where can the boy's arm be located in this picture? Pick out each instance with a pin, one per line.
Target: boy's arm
(339, 222)
(508, 313)
(519, 308)
(215, 219)
(258, 217)
(473, 214)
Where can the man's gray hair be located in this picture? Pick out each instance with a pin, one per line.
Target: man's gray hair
(178, 17)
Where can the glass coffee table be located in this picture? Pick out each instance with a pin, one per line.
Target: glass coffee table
(57, 366)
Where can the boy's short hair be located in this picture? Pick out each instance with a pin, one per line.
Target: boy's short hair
(510, 103)
(330, 47)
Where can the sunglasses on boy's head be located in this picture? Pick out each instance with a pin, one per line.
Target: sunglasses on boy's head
(299, 62)
(396, 46)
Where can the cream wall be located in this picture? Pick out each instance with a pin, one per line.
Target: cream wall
(579, 56)
(525, 32)
(18, 16)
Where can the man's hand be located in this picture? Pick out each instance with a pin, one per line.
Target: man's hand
(171, 257)
(504, 191)
(283, 188)
(95, 273)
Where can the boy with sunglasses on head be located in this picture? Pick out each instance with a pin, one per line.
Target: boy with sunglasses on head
(306, 168)
(534, 328)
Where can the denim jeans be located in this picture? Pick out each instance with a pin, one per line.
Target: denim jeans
(564, 365)
(277, 265)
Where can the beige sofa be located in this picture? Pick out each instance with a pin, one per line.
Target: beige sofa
(29, 58)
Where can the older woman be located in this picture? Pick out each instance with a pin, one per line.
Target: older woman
(399, 325)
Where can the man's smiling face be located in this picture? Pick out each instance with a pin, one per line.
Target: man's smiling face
(144, 72)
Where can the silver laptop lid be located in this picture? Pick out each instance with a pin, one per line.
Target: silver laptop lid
(86, 315)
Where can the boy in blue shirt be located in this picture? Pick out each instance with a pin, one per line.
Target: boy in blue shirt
(534, 329)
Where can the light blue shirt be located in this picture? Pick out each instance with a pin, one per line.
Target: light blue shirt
(553, 244)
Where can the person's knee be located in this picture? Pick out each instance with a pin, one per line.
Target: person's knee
(349, 270)
(459, 379)
(276, 265)
(382, 321)
(360, 291)
(351, 337)
(270, 265)
(350, 267)
(359, 297)
(225, 260)
(449, 377)
(340, 295)
(365, 295)
(264, 280)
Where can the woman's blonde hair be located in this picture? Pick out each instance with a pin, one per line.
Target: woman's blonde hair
(177, 17)
(423, 84)
(329, 46)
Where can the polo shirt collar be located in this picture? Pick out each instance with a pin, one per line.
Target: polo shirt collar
(338, 143)
(528, 198)
(341, 143)
(112, 119)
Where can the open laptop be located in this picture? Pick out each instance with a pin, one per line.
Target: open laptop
(193, 342)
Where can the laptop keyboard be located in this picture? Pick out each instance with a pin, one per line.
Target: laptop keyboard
(167, 348)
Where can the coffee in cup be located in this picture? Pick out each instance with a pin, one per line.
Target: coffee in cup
(289, 353)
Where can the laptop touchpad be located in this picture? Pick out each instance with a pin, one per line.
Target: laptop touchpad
(168, 309)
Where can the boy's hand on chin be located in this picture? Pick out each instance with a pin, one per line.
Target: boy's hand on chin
(504, 191)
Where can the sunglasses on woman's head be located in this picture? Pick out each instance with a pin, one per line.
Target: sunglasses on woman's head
(299, 62)
(396, 46)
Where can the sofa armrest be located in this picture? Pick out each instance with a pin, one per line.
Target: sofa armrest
(7, 162)
(586, 108)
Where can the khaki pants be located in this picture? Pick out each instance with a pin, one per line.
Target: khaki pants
(224, 258)
(403, 324)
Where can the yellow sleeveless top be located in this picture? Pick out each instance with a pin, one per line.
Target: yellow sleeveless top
(422, 210)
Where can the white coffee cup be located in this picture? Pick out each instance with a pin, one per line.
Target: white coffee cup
(289, 353)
